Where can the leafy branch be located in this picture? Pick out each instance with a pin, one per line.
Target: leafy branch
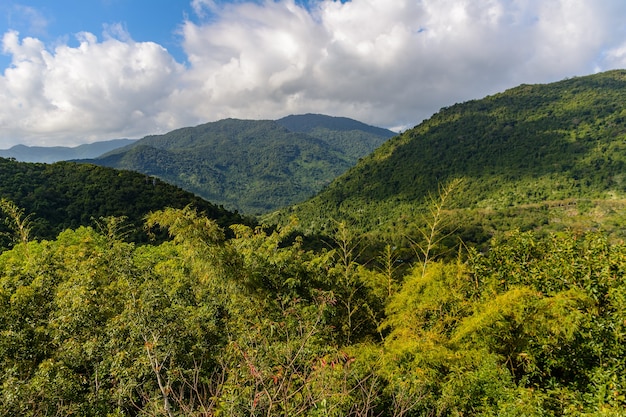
(435, 223)
(16, 220)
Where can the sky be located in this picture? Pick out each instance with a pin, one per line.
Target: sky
(79, 71)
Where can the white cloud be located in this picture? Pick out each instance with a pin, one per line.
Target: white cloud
(255, 61)
(98, 90)
(390, 63)
(616, 56)
(200, 7)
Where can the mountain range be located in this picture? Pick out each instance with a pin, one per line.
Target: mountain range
(461, 268)
(253, 166)
(50, 154)
(546, 156)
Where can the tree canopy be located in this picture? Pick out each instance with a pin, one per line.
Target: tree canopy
(68, 195)
(255, 324)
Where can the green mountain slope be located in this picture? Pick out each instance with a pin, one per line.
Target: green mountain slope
(252, 165)
(530, 148)
(66, 195)
(352, 137)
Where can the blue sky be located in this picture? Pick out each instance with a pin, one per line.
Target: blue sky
(59, 20)
(73, 72)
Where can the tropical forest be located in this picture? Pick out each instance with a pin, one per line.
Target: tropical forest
(474, 265)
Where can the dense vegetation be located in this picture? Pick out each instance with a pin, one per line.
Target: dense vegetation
(67, 195)
(532, 156)
(250, 165)
(255, 325)
(473, 266)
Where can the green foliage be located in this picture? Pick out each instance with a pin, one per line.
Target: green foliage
(16, 220)
(354, 138)
(255, 324)
(91, 325)
(534, 322)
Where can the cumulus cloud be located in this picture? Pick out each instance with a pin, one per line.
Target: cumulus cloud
(97, 90)
(385, 63)
(389, 63)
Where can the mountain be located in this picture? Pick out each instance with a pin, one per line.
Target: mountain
(67, 195)
(253, 166)
(348, 135)
(260, 322)
(62, 153)
(528, 157)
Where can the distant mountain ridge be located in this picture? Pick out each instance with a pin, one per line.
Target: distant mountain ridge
(52, 154)
(355, 138)
(309, 122)
(253, 166)
(530, 148)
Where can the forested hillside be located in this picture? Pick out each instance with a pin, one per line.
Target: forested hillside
(68, 195)
(250, 165)
(254, 325)
(352, 137)
(533, 156)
